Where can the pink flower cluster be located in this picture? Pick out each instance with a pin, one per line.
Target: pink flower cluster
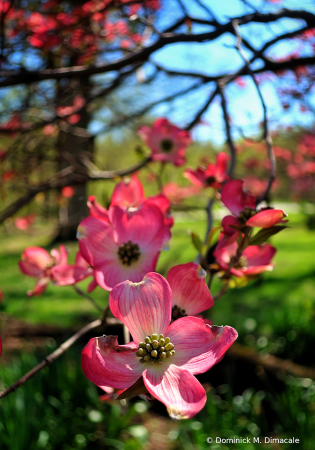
(242, 259)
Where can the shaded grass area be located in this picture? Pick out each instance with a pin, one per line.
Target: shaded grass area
(60, 409)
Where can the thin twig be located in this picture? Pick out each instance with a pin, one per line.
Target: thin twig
(227, 128)
(267, 136)
(51, 358)
(88, 298)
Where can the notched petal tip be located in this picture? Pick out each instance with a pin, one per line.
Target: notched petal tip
(176, 414)
(81, 232)
(201, 273)
(217, 330)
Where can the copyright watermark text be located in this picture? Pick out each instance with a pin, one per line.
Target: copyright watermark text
(253, 440)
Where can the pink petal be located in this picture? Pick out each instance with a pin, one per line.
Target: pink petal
(266, 218)
(143, 226)
(37, 256)
(114, 272)
(129, 192)
(145, 307)
(197, 177)
(93, 285)
(30, 269)
(221, 167)
(198, 346)
(259, 255)
(61, 256)
(161, 201)
(96, 210)
(223, 254)
(96, 241)
(189, 290)
(177, 388)
(69, 274)
(235, 198)
(205, 320)
(106, 367)
(80, 261)
(227, 221)
(256, 270)
(40, 287)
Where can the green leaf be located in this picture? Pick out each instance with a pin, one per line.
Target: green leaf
(211, 235)
(264, 234)
(196, 241)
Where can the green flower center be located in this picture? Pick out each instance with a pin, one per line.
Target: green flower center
(242, 262)
(129, 253)
(155, 349)
(177, 313)
(167, 145)
(246, 214)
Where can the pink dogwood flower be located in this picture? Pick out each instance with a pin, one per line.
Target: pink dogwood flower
(130, 193)
(69, 274)
(243, 206)
(166, 355)
(190, 294)
(254, 260)
(124, 247)
(211, 176)
(167, 142)
(37, 262)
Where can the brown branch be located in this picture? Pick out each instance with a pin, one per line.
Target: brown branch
(51, 358)
(12, 78)
(202, 110)
(270, 362)
(70, 179)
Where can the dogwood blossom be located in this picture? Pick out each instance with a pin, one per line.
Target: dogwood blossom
(166, 355)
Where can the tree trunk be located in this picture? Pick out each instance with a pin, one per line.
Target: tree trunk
(72, 145)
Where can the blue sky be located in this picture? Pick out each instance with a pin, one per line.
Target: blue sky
(221, 57)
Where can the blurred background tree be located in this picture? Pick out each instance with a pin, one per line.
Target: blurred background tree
(73, 72)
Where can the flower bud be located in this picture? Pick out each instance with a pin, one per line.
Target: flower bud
(155, 344)
(162, 349)
(168, 354)
(162, 341)
(147, 340)
(148, 347)
(169, 346)
(167, 340)
(163, 355)
(146, 358)
(155, 337)
(142, 345)
(154, 353)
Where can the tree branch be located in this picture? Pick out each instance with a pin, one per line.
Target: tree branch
(70, 179)
(51, 358)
